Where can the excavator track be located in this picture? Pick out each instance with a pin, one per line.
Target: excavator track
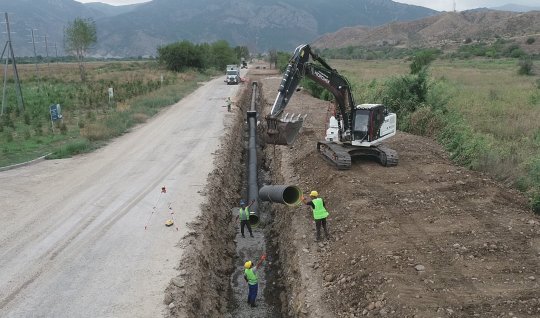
(388, 157)
(335, 154)
(340, 155)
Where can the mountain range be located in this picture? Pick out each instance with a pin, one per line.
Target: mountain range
(443, 30)
(137, 30)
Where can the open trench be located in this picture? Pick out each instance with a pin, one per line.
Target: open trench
(210, 281)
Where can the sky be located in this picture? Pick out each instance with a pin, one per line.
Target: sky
(448, 5)
(114, 2)
(439, 5)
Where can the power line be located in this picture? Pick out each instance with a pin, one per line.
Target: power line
(35, 55)
(11, 56)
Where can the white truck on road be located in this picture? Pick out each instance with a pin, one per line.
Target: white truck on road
(232, 75)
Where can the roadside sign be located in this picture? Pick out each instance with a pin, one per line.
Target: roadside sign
(55, 111)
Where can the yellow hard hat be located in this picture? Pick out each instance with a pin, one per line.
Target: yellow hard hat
(314, 194)
(247, 264)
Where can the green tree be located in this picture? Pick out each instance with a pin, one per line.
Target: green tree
(222, 54)
(242, 52)
(283, 60)
(273, 58)
(80, 35)
(421, 60)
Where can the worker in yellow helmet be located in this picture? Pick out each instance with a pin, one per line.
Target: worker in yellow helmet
(319, 213)
(252, 279)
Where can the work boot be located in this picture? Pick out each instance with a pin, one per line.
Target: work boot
(243, 236)
(253, 304)
(251, 235)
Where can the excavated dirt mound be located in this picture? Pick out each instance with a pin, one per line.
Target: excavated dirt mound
(423, 239)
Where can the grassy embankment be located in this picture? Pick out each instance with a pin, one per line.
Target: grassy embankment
(491, 121)
(89, 119)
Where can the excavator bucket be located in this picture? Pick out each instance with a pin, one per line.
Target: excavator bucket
(283, 131)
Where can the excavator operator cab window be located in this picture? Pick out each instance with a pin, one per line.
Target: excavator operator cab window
(361, 120)
(361, 124)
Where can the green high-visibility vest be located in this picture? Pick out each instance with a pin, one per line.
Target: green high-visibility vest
(319, 212)
(244, 214)
(251, 276)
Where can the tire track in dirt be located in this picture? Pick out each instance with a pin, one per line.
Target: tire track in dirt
(46, 261)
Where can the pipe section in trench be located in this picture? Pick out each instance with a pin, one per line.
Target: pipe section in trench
(285, 194)
(253, 187)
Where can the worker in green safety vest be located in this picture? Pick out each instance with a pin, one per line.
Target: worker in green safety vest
(252, 279)
(319, 213)
(243, 215)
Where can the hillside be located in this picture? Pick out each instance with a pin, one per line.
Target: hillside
(438, 30)
(260, 25)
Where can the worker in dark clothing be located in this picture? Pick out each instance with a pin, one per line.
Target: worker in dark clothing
(319, 213)
(243, 215)
(252, 279)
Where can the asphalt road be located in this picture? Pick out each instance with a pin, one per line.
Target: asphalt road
(73, 241)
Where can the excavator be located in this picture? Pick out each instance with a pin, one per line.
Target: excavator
(354, 130)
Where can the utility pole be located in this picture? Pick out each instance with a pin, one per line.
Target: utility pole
(47, 54)
(454, 6)
(35, 55)
(56, 52)
(9, 47)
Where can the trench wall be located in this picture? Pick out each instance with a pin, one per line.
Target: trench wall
(203, 287)
(287, 264)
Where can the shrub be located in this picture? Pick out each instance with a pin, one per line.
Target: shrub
(9, 136)
(424, 121)
(27, 118)
(314, 89)
(525, 67)
(530, 40)
(63, 128)
(535, 203)
(405, 94)
(421, 60)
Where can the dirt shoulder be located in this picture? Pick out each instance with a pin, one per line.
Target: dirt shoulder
(423, 239)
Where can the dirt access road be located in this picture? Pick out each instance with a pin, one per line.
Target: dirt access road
(73, 241)
(423, 239)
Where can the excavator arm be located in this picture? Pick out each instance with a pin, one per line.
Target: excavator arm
(359, 128)
(284, 130)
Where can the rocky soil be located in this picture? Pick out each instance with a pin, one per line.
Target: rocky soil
(423, 239)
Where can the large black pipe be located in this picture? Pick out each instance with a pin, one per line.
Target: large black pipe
(253, 187)
(289, 195)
